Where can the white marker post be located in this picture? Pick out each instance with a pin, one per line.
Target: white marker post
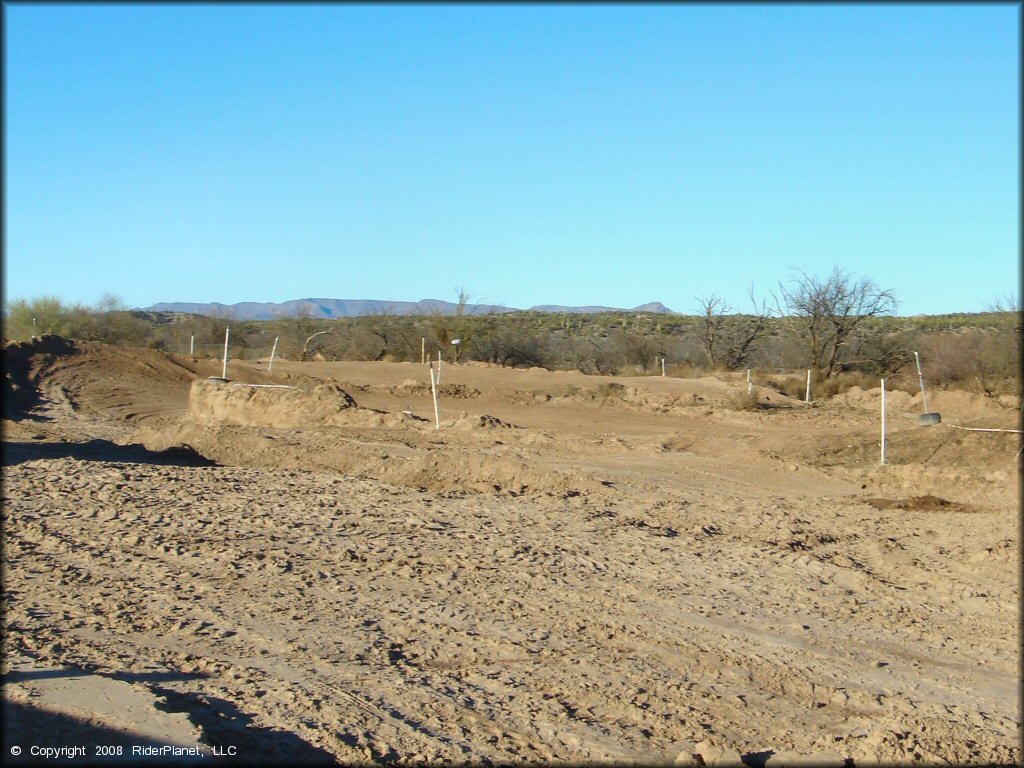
(750, 384)
(807, 397)
(423, 350)
(192, 347)
(433, 391)
(439, 367)
(33, 328)
(663, 366)
(883, 421)
(227, 335)
(920, 379)
(272, 353)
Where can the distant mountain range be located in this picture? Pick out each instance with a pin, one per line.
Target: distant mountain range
(329, 308)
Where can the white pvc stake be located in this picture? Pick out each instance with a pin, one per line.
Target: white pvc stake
(807, 398)
(192, 347)
(750, 384)
(883, 421)
(272, 352)
(227, 335)
(920, 378)
(33, 327)
(423, 350)
(663, 366)
(433, 391)
(439, 367)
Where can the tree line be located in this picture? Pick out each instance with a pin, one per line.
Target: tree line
(834, 325)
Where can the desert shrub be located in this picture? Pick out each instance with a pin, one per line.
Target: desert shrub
(877, 349)
(571, 353)
(986, 361)
(514, 347)
(365, 344)
(795, 385)
(742, 401)
(686, 370)
(51, 318)
(789, 385)
(779, 351)
(684, 349)
(611, 390)
(110, 321)
(841, 383)
(608, 357)
(400, 336)
(637, 350)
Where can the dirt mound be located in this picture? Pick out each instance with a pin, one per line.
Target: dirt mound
(870, 398)
(21, 391)
(950, 403)
(417, 464)
(91, 377)
(465, 421)
(957, 403)
(267, 406)
(413, 387)
(926, 503)
(682, 397)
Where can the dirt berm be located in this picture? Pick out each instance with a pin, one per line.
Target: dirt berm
(268, 405)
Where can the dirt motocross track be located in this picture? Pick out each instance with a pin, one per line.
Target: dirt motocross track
(571, 569)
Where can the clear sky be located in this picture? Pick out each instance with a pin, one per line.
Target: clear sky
(562, 154)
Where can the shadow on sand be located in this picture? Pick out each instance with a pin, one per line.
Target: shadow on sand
(227, 736)
(102, 450)
(24, 675)
(27, 728)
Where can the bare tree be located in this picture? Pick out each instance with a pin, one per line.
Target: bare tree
(729, 339)
(1005, 303)
(827, 312)
(305, 347)
(714, 310)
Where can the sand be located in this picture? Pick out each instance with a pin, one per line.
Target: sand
(572, 569)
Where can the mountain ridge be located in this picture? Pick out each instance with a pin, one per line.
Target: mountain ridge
(321, 308)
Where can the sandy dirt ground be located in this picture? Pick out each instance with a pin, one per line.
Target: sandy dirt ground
(572, 569)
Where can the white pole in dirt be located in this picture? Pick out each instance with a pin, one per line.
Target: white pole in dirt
(439, 367)
(272, 353)
(750, 384)
(192, 347)
(33, 327)
(423, 351)
(663, 366)
(227, 335)
(883, 421)
(433, 391)
(807, 397)
(920, 379)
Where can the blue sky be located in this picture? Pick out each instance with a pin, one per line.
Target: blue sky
(569, 154)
